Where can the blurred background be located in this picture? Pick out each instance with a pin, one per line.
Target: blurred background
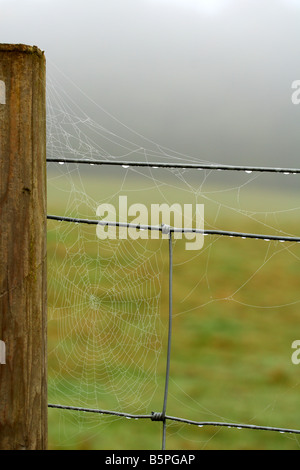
(172, 81)
(208, 78)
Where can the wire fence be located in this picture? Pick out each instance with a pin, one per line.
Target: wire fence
(169, 230)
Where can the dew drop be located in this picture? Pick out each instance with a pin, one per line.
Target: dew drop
(200, 425)
(61, 163)
(125, 166)
(248, 171)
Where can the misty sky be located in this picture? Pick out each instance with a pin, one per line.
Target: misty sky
(209, 78)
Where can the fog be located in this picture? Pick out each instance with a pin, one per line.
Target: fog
(209, 78)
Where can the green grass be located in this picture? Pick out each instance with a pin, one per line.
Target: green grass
(236, 312)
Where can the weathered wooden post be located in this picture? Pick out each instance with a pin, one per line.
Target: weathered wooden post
(23, 371)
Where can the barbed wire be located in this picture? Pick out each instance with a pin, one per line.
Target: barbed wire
(159, 417)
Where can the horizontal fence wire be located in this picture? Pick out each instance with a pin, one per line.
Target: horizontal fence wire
(158, 417)
(183, 166)
(162, 227)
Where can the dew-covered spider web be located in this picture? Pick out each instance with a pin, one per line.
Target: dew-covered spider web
(235, 301)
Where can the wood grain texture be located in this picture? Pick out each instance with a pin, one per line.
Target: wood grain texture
(23, 379)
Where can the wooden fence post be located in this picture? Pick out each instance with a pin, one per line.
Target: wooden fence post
(23, 287)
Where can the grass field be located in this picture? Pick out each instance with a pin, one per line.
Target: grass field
(236, 314)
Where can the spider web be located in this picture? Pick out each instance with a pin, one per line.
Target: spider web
(107, 298)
